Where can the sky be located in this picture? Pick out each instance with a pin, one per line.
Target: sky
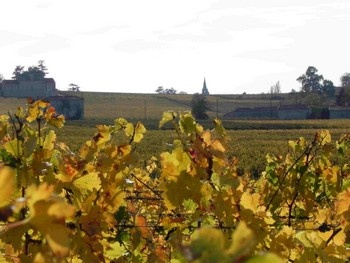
(137, 46)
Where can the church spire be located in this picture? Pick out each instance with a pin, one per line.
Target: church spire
(205, 89)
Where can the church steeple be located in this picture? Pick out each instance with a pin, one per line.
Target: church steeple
(205, 89)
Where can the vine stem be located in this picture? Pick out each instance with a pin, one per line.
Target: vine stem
(305, 153)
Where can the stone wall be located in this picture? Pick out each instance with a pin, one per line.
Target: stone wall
(71, 107)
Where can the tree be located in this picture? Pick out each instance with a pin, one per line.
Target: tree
(328, 88)
(345, 80)
(160, 90)
(18, 72)
(33, 73)
(199, 106)
(170, 91)
(1, 78)
(74, 87)
(341, 97)
(205, 90)
(275, 88)
(311, 81)
(42, 67)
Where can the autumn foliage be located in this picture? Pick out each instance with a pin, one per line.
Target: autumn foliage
(102, 204)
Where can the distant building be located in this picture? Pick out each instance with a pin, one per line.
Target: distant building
(293, 112)
(35, 89)
(337, 112)
(252, 113)
(283, 112)
(72, 107)
(205, 90)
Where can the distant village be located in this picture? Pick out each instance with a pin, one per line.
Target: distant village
(32, 83)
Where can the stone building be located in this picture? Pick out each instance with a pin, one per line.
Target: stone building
(35, 89)
(293, 112)
(252, 113)
(72, 107)
(283, 112)
(337, 112)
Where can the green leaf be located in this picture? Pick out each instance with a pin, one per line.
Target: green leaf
(14, 147)
(187, 123)
(115, 251)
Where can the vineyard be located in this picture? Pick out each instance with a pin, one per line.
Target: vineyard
(190, 203)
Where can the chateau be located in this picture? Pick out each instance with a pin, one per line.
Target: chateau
(36, 89)
(72, 107)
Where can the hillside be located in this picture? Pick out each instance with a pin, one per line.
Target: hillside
(151, 106)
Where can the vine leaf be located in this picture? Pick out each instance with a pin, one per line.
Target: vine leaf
(7, 184)
(207, 245)
(48, 215)
(115, 250)
(167, 116)
(243, 240)
(14, 147)
(50, 139)
(139, 132)
(87, 183)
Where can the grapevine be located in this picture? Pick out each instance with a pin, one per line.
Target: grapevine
(189, 204)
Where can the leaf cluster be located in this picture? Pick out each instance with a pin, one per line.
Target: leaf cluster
(187, 205)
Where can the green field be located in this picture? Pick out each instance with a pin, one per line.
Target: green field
(251, 140)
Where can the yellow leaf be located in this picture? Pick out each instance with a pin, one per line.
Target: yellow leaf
(120, 123)
(265, 258)
(167, 116)
(243, 240)
(48, 215)
(139, 131)
(7, 184)
(250, 201)
(103, 135)
(50, 139)
(87, 183)
(208, 245)
(323, 137)
(217, 146)
(339, 238)
(343, 202)
(129, 130)
(35, 194)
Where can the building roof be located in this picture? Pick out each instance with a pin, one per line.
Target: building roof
(294, 107)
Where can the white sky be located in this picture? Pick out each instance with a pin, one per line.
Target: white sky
(137, 45)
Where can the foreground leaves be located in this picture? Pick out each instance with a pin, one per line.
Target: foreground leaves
(188, 205)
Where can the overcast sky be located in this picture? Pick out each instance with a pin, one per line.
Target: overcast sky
(137, 45)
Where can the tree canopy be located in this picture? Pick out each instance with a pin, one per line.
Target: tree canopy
(199, 106)
(312, 82)
(32, 73)
(345, 80)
